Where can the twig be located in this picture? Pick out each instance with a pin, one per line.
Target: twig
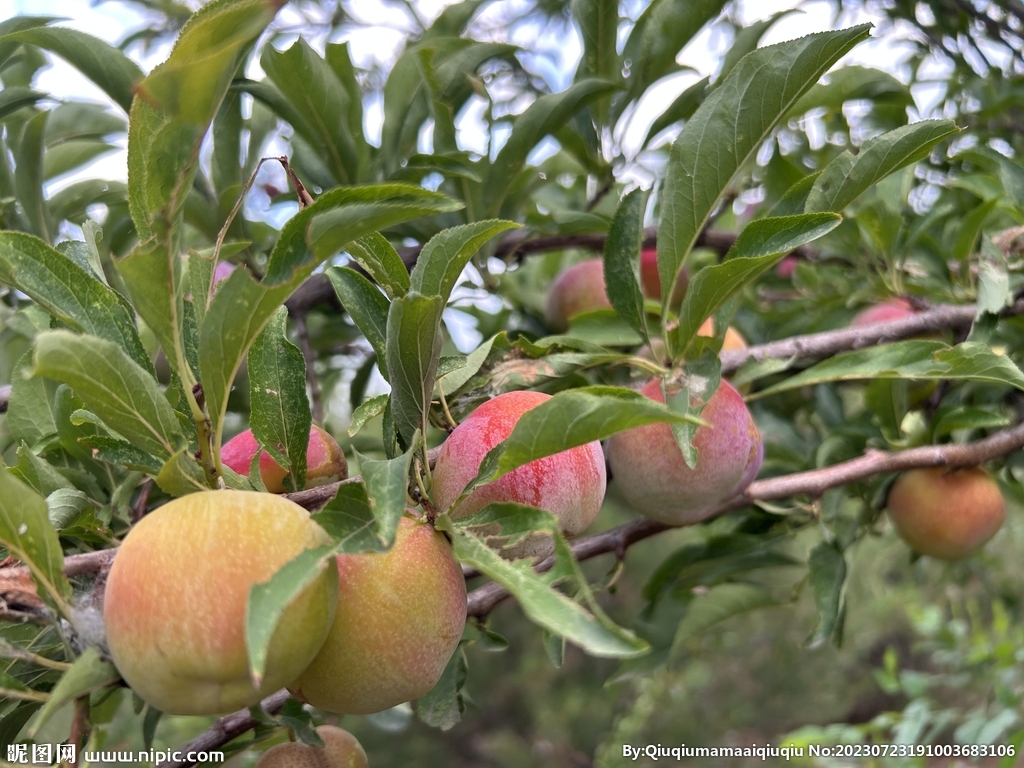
(815, 345)
(142, 502)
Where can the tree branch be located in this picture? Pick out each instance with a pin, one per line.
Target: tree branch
(942, 317)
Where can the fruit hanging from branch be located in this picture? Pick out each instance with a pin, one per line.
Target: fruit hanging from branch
(175, 600)
(650, 471)
(400, 617)
(946, 514)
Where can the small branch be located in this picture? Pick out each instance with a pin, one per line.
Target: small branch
(228, 728)
(816, 345)
(142, 502)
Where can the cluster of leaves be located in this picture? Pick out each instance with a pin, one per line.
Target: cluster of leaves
(124, 356)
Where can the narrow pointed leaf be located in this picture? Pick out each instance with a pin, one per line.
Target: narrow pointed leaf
(447, 253)
(381, 261)
(622, 262)
(727, 130)
(366, 305)
(413, 348)
(849, 175)
(280, 417)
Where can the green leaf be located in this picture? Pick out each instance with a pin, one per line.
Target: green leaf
(387, 483)
(682, 108)
(828, 574)
(852, 82)
(443, 706)
(545, 606)
(447, 253)
(113, 386)
(658, 35)
(370, 409)
(727, 130)
(598, 22)
(413, 348)
(98, 60)
(190, 85)
(452, 382)
(121, 453)
(366, 305)
(971, 361)
(849, 175)
(28, 176)
(31, 415)
(64, 505)
(349, 519)
(746, 40)
(279, 409)
(13, 98)
(89, 673)
(571, 418)
(760, 246)
(40, 475)
(181, 475)
(381, 261)
(269, 600)
(26, 532)
(960, 417)
(241, 307)
(715, 606)
(69, 292)
(322, 105)
(16, 24)
(546, 115)
(622, 262)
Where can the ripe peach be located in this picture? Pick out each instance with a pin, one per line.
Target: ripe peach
(580, 288)
(650, 280)
(891, 309)
(340, 750)
(325, 461)
(400, 618)
(175, 600)
(786, 267)
(570, 484)
(946, 513)
(649, 469)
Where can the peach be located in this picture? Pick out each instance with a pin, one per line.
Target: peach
(650, 471)
(732, 339)
(570, 484)
(340, 750)
(325, 461)
(578, 289)
(399, 620)
(787, 267)
(944, 513)
(175, 600)
(891, 309)
(650, 280)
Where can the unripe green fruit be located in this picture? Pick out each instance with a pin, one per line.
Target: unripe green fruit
(340, 750)
(946, 514)
(399, 620)
(325, 461)
(570, 484)
(649, 469)
(175, 600)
